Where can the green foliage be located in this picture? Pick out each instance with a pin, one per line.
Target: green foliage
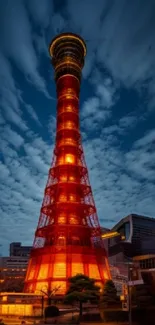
(51, 311)
(109, 296)
(82, 289)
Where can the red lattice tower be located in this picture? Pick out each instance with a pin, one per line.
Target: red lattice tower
(68, 237)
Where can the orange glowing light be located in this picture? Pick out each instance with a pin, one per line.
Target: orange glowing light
(43, 285)
(94, 271)
(77, 268)
(43, 272)
(59, 270)
(63, 178)
(72, 178)
(62, 220)
(31, 274)
(72, 197)
(106, 276)
(4, 298)
(73, 221)
(62, 198)
(69, 159)
(60, 287)
(61, 240)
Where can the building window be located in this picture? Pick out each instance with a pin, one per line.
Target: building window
(61, 240)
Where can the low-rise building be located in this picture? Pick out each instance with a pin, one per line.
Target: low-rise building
(16, 249)
(13, 267)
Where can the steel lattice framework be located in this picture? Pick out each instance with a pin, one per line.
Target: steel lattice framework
(68, 237)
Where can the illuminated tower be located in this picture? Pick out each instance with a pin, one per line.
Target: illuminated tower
(68, 237)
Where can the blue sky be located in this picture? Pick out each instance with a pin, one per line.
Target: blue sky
(117, 107)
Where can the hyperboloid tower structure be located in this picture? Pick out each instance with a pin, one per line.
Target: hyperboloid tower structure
(68, 237)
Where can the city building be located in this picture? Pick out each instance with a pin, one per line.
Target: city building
(133, 242)
(105, 242)
(13, 267)
(68, 237)
(146, 267)
(138, 234)
(16, 249)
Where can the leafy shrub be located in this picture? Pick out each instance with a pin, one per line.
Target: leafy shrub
(51, 311)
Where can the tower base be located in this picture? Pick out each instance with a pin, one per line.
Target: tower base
(50, 267)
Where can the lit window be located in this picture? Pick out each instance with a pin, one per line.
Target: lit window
(31, 273)
(43, 272)
(62, 220)
(62, 198)
(94, 271)
(69, 125)
(69, 159)
(59, 286)
(61, 241)
(59, 270)
(72, 197)
(77, 268)
(63, 178)
(4, 298)
(41, 286)
(73, 220)
(69, 141)
(106, 277)
(72, 178)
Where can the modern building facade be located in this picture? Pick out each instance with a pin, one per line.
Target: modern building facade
(139, 237)
(135, 244)
(16, 249)
(105, 242)
(68, 236)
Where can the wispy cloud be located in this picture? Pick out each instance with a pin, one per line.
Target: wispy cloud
(23, 177)
(122, 182)
(32, 113)
(98, 109)
(121, 37)
(17, 47)
(40, 12)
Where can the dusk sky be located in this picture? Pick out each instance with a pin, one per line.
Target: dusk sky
(117, 109)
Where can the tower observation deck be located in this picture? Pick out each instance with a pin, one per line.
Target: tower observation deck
(68, 236)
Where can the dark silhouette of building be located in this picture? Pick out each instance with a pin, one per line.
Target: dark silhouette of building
(16, 249)
(135, 244)
(138, 233)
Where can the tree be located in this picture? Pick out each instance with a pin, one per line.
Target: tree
(50, 293)
(82, 289)
(109, 296)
